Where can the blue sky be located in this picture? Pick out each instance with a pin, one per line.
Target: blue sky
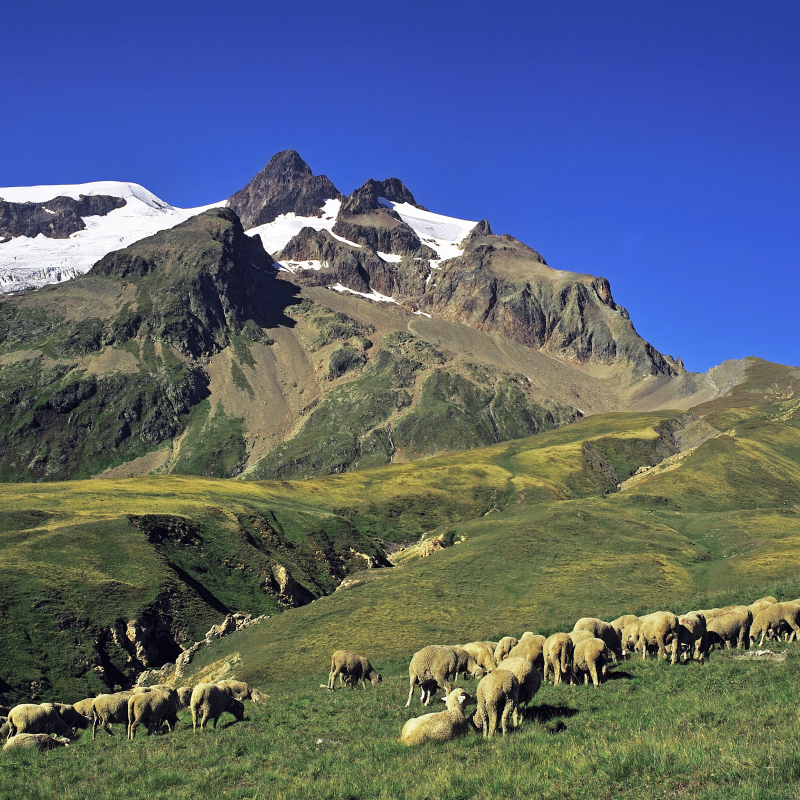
(654, 143)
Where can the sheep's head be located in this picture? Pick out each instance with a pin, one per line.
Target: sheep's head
(374, 678)
(458, 698)
(237, 709)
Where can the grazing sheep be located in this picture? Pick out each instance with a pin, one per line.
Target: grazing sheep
(558, 650)
(467, 666)
(498, 698)
(84, 708)
(630, 636)
(590, 659)
(108, 709)
(620, 623)
(503, 646)
(44, 718)
(484, 657)
(657, 629)
(152, 709)
(759, 605)
(72, 716)
(210, 701)
(692, 635)
(776, 617)
(433, 665)
(530, 679)
(532, 648)
(602, 630)
(34, 741)
(184, 696)
(243, 691)
(440, 726)
(352, 669)
(580, 636)
(729, 628)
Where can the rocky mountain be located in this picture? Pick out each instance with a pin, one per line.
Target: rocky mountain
(286, 185)
(376, 332)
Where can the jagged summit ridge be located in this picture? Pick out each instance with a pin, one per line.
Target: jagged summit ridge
(285, 185)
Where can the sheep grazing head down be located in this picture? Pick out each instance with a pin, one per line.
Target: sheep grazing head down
(374, 678)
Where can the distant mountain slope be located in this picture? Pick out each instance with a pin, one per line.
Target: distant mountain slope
(382, 333)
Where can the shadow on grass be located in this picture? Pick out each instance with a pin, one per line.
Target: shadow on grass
(545, 712)
(619, 675)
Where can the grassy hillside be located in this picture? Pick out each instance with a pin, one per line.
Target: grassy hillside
(722, 730)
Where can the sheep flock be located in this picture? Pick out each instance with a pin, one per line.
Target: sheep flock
(510, 672)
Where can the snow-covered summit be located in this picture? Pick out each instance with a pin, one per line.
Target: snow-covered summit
(41, 194)
(27, 263)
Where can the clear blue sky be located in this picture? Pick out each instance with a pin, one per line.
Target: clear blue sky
(654, 143)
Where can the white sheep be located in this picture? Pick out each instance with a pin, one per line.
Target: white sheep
(503, 647)
(529, 677)
(498, 699)
(440, 726)
(43, 718)
(152, 709)
(210, 701)
(430, 667)
(35, 741)
(108, 709)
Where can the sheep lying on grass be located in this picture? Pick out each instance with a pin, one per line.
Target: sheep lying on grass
(432, 666)
(353, 670)
(441, 726)
(40, 742)
(210, 701)
(152, 709)
(498, 699)
(108, 709)
(590, 659)
(44, 718)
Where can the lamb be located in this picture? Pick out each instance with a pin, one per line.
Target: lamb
(558, 650)
(484, 657)
(498, 697)
(591, 658)
(692, 635)
(601, 630)
(152, 708)
(243, 691)
(775, 618)
(109, 708)
(210, 701)
(657, 629)
(441, 726)
(530, 679)
(352, 669)
(630, 635)
(44, 718)
(40, 742)
(734, 626)
(503, 647)
(429, 667)
(532, 648)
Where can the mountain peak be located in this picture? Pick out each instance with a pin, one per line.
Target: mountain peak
(285, 185)
(367, 197)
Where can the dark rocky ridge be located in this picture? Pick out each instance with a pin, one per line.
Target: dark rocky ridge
(58, 218)
(285, 185)
(366, 198)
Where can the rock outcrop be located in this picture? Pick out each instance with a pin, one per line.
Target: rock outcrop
(58, 218)
(285, 185)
